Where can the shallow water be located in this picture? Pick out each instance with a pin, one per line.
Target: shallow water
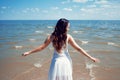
(101, 39)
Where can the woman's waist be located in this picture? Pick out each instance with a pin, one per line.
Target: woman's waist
(56, 54)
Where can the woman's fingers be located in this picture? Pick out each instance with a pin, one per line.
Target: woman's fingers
(25, 54)
(96, 60)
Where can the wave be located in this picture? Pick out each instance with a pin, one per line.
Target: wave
(75, 32)
(113, 44)
(90, 67)
(106, 43)
(84, 42)
(39, 31)
(50, 27)
(32, 40)
(22, 47)
(47, 34)
(37, 65)
(18, 47)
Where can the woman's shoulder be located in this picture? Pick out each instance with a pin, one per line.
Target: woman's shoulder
(69, 36)
(49, 37)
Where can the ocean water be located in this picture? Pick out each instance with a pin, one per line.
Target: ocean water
(100, 38)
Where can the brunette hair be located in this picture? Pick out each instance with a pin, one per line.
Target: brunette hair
(60, 34)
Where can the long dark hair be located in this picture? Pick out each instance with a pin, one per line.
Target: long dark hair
(60, 34)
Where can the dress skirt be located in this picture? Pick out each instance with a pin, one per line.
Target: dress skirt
(61, 67)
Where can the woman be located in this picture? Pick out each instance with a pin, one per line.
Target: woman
(61, 64)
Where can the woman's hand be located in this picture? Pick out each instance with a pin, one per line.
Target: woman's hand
(26, 53)
(95, 60)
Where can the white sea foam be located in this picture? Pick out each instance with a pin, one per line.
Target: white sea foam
(38, 31)
(47, 34)
(50, 27)
(111, 43)
(77, 32)
(84, 42)
(18, 47)
(90, 67)
(32, 40)
(38, 65)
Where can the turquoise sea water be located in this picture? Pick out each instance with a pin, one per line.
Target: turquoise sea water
(100, 38)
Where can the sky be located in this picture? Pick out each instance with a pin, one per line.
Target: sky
(55, 9)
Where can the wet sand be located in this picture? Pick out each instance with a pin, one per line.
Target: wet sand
(29, 68)
(17, 70)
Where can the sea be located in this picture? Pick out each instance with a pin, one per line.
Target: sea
(99, 38)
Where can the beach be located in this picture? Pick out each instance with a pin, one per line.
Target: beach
(100, 38)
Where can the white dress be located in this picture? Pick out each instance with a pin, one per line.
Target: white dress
(61, 66)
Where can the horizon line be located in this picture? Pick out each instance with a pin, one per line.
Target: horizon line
(55, 19)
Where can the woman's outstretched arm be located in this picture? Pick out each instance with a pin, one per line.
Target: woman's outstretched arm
(41, 47)
(78, 48)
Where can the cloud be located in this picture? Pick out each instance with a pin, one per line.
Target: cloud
(67, 9)
(101, 2)
(87, 10)
(55, 8)
(64, 2)
(83, 9)
(33, 10)
(30, 10)
(45, 11)
(91, 10)
(24, 11)
(106, 6)
(75, 6)
(4, 7)
(80, 1)
(37, 9)
(91, 6)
